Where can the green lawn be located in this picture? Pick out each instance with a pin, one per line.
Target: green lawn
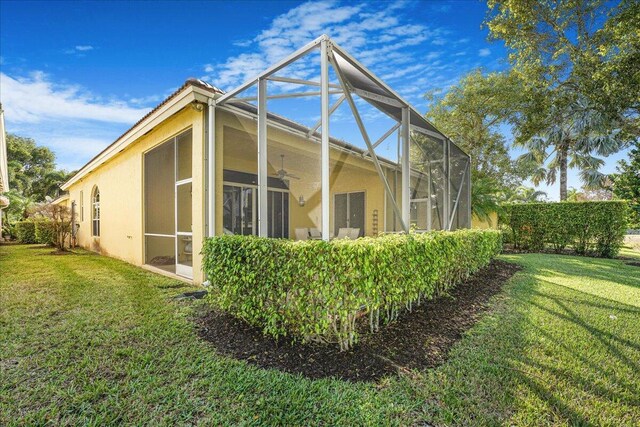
(86, 339)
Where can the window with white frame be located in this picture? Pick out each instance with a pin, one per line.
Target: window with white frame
(95, 212)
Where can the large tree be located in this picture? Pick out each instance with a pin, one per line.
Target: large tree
(558, 49)
(32, 178)
(611, 75)
(32, 169)
(573, 136)
(472, 113)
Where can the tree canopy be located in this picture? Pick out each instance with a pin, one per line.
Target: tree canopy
(33, 177)
(471, 114)
(577, 64)
(32, 169)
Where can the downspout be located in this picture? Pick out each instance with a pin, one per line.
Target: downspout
(211, 169)
(210, 191)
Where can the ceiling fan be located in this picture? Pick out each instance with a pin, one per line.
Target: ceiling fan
(282, 173)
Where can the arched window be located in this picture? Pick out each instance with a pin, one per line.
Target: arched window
(95, 212)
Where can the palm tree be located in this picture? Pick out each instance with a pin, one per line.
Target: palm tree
(574, 195)
(573, 135)
(485, 198)
(524, 194)
(19, 206)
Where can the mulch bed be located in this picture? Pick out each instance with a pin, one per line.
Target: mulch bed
(420, 339)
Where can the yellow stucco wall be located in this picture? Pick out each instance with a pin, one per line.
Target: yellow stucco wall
(476, 223)
(120, 181)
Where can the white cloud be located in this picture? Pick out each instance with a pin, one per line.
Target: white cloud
(36, 98)
(79, 50)
(381, 35)
(484, 52)
(150, 99)
(72, 151)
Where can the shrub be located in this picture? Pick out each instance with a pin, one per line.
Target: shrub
(45, 232)
(596, 228)
(26, 231)
(57, 221)
(318, 290)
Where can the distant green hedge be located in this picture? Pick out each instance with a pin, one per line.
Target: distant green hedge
(594, 228)
(45, 232)
(25, 231)
(318, 290)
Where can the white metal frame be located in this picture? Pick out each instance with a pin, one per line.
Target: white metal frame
(182, 270)
(327, 48)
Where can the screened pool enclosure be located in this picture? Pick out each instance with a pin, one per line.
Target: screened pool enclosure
(317, 146)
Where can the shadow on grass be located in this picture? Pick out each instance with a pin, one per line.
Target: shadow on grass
(563, 376)
(607, 270)
(552, 355)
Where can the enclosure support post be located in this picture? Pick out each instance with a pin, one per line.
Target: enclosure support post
(406, 167)
(262, 158)
(211, 169)
(468, 183)
(324, 151)
(446, 185)
(455, 206)
(429, 219)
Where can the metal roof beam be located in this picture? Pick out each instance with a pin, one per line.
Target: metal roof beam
(300, 82)
(273, 69)
(288, 95)
(377, 97)
(382, 138)
(333, 108)
(428, 132)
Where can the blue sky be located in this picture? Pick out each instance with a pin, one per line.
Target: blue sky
(75, 75)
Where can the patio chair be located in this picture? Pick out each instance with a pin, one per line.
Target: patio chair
(354, 233)
(302, 234)
(343, 233)
(315, 234)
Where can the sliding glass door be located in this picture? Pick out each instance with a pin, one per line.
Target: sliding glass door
(168, 206)
(349, 211)
(239, 216)
(240, 213)
(278, 207)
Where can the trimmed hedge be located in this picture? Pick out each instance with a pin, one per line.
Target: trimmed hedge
(592, 228)
(318, 290)
(25, 231)
(45, 232)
